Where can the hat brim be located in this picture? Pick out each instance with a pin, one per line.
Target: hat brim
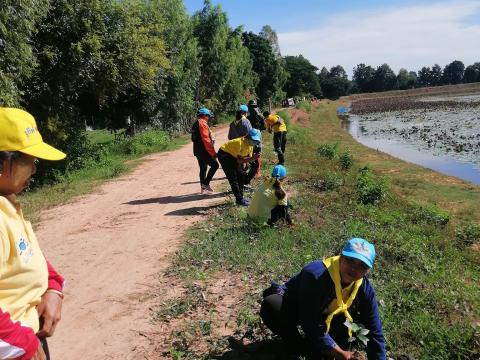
(359, 257)
(44, 151)
(255, 138)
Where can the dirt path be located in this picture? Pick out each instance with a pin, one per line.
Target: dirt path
(112, 244)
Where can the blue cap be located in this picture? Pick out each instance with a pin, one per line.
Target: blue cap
(360, 249)
(255, 135)
(279, 172)
(203, 111)
(243, 108)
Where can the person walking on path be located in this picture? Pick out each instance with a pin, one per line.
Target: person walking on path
(258, 122)
(277, 125)
(232, 155)
(31, 291)
(270, 201)
(204, 151)
(320, 298)
(241, 126)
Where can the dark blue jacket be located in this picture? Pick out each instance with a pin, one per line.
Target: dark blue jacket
(312, 290)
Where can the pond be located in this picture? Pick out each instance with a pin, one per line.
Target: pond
(444, 140)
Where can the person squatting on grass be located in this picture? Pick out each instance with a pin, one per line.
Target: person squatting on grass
(320, 298)
(270, 202)
(232, 155)
(30, 289)
(204, 150)
(276, 124)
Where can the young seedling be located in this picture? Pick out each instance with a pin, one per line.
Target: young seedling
(359, 334)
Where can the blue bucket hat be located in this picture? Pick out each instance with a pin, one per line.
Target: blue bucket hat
(279, 172)
(255, 135)
(360, 249)
(243, 108)
(203, 112)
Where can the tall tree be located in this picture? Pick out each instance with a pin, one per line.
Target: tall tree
(436, 75)
(334, 83)
(453, 72)
(425, 76)
(271, 36)
(269, 70)
(18, 22)
(303, 80)
(363, 77)
(472, 73)
(403, 79)
(384, 78)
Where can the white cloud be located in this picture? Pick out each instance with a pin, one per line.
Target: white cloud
(408, 37)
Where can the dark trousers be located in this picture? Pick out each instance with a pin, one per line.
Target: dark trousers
(43, 341)
(252, 171)
(232, 171)
(282, 322)
(204, 162)
(279, 142)
(279, 212)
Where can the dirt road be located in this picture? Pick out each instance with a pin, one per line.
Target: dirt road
(111, 247)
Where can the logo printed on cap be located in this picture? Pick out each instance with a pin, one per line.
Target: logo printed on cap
(362, 249)
(29, 131)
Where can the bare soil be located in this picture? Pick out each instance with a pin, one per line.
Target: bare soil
(113, 247)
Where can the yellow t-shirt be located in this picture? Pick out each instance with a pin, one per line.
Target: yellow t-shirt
(238, 147)
(271, 120)
(263, 201)
(23, 268)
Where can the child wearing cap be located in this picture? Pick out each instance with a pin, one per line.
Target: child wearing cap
(270, 201)
(277, 125)
(232, 155)
(30, 289)
(203, 150)
(320, 298)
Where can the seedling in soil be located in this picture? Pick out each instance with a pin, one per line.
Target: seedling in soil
(359, 334)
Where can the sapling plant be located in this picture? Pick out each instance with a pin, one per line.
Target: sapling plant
(359, 335)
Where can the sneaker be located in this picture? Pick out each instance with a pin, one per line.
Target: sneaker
(209, 189)
(204, 190)
(243, 202)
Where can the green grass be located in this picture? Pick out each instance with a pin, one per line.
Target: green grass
(112, 159)
(422, 224)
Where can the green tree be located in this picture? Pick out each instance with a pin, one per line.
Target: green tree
(303, 80)
(271, 36)
(453, 72)
(403, 79)
(18, 22)
(363, 77)
(384, 78)
(172, 103)
(436, 75)
(334, 83)
(270, 72)
(425, 76)
(472, 73)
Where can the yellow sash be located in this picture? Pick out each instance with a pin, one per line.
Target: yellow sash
(333, 266)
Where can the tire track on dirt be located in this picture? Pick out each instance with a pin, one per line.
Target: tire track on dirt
(112, 244)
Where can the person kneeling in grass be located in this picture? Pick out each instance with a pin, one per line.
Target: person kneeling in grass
(232, 155)
(269, 202)
(320, 298)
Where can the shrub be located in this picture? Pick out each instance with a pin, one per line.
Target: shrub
(468, 235)
(430, 214)
(328, 151)
(371, 190)
(304, 105)
(331, 181)
(346, 160)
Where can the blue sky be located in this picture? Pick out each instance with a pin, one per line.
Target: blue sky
(401, 33)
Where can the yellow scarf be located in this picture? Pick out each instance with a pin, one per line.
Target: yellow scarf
(333, 266)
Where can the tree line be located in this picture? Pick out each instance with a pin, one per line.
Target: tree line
(307, 80)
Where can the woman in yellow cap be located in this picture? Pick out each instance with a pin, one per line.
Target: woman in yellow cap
(30, 289)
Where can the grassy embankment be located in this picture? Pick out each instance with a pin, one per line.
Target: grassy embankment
(115, 158)
(422, 223)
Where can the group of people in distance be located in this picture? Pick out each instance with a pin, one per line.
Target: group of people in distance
(324, 294)
(240, 158)
(318, 299)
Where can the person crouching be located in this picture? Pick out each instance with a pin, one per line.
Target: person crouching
(270, 202)
(232, 155)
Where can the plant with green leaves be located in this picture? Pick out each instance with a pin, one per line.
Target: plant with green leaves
(328, 151)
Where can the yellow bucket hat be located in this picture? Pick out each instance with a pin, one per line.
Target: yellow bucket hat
(18, 132)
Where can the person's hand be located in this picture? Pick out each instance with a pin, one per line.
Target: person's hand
(39, 354)
(340, 354)
(50, 311)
